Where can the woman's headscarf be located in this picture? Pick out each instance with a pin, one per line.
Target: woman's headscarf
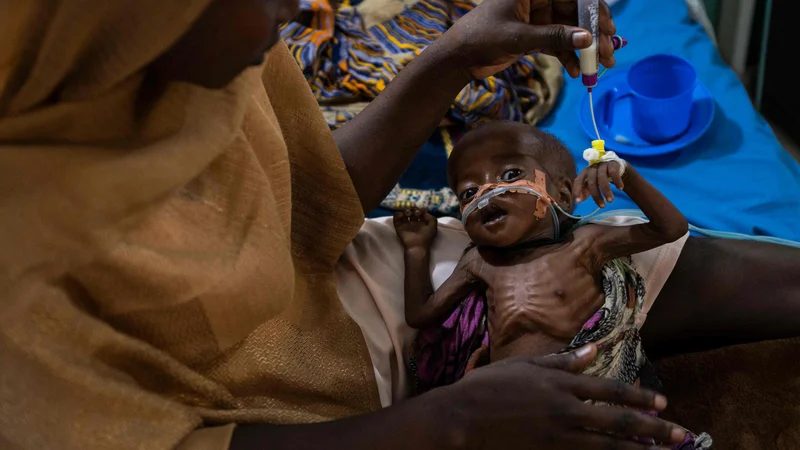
(165, 260)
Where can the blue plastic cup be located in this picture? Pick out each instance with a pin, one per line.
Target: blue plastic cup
(661, 87)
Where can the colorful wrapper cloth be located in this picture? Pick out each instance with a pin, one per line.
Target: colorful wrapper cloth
(350, 52)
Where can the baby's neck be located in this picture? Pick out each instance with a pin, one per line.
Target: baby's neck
(534, 243)
(564, 234)
(524, 250)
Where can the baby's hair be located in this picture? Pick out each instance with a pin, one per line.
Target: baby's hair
(548, 149)
(554, 156)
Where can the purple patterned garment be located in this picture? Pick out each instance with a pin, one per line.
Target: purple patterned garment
(441, 353)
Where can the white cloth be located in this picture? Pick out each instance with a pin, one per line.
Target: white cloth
(592, 156)
(370, 276)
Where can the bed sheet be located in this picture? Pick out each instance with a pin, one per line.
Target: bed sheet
(737, 177)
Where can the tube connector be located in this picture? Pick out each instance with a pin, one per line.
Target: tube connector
(590, 81)
(599, 145)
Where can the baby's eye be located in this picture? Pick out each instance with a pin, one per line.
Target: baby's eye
(511, 175)
(468, 193)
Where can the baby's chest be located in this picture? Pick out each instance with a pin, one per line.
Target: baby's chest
(541, 281)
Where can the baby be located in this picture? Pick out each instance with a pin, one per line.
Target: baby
(527, 258)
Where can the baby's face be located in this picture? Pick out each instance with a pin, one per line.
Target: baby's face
(508, 219)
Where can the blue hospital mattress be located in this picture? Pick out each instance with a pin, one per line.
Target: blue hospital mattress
(737, 177)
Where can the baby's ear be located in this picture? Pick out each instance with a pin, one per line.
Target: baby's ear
(565, 198)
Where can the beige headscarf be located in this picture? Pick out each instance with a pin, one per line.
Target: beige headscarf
(163, 266)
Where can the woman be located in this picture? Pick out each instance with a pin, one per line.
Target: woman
(171, 219)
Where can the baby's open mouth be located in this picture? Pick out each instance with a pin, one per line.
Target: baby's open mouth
(493, 214)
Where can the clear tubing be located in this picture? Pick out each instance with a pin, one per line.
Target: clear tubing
(588, 19)
(483, 201)
(594, 122)
(695, 229)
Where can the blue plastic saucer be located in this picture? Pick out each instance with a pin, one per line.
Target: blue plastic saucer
(615, 125)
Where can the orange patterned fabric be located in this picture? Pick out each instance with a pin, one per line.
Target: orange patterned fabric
(166, 265)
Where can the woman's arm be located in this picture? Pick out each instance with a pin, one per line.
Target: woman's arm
(520, 403)
(413, 424)
(379, 144)
(724, 292)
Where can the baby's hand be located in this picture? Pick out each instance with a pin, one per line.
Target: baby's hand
(594, 181)
(415, 227)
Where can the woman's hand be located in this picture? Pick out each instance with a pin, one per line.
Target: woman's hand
(498, 32)
(515, 403)
(521, 403)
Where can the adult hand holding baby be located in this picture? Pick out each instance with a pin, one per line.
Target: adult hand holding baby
(517, 403)
(536, 403)
(498, 32)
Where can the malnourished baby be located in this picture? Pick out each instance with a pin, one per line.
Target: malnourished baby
(517, 186)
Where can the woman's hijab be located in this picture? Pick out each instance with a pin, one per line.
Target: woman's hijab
(166, 258)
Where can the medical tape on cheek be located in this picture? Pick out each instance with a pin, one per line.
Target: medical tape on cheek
(539, 185)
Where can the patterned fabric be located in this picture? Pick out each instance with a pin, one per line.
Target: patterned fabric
(347, 61)
(440, 202)
(441, 354)
(613, 327)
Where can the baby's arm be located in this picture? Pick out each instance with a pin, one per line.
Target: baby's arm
(424, 307)
(666, 224)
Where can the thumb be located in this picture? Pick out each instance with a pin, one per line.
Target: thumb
(551, 38)
(574, 361)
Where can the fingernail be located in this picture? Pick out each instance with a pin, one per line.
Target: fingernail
(660, 402)
(581, 39)
(602, 205)
(677, 435)
(609, 199)
(583, 351)
(578, 199)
